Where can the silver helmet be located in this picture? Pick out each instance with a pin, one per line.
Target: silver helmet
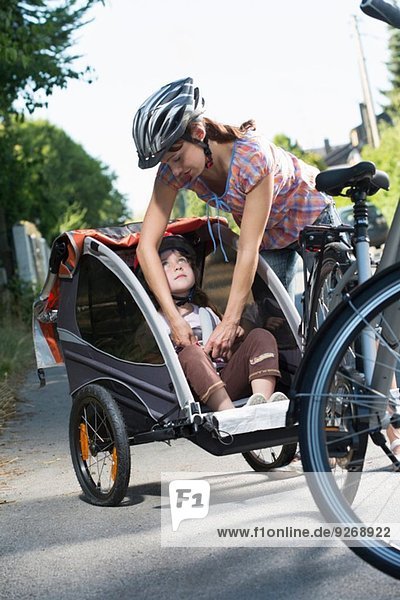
(163, 118)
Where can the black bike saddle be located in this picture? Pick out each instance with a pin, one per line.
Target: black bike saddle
(363, 176)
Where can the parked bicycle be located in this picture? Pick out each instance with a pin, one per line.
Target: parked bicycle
(347, 387)
(339, 260)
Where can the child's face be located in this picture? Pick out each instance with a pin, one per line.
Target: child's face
(179, 273)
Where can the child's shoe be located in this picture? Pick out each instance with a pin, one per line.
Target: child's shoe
(256, 399)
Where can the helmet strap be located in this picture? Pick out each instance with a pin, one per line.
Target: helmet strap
(181, 300)
(208, 153)
(204, 144)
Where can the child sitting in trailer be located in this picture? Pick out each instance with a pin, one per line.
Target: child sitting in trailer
(253, 367)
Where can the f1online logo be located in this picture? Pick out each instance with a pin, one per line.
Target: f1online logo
(189, 499)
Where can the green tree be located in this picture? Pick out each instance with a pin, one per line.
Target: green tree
(393, 66)
(188, 204)
(387, 158)
(312, 158)
(35, 41)
(36, 37)
(61, 187)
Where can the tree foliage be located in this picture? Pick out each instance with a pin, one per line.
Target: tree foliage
(59, 186)
(393, 66)
(188, 204)
(312, 158)
(35, 41)
(387, 158)
(44, 176)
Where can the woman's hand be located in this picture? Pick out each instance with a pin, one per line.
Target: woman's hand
(181, 333)
(221, 340)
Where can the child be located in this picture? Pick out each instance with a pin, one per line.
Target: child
(253, 367)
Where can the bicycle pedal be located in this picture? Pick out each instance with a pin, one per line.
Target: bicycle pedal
(338, 453)
(338, 447)
(335, 429)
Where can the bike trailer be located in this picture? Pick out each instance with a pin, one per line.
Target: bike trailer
(95, 316)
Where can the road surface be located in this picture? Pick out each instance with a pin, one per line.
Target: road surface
(54, 545)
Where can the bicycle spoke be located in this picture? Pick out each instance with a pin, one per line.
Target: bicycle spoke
(100, 463)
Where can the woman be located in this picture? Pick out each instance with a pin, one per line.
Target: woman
(270, 193)
(254, 366)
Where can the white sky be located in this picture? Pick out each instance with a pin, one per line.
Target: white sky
(289, 64)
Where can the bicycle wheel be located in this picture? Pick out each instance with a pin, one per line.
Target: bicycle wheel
(99, 446)
(266, 459)
(334, 264)
(340, 412)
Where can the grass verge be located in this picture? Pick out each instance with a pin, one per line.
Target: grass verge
(16, 357)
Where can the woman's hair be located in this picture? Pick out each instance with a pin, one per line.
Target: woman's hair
(220, 133)
(217, 132)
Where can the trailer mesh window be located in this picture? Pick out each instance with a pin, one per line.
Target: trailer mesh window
(108, 317)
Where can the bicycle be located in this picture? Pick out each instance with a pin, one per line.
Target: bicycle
(339, 262)
(346, 392)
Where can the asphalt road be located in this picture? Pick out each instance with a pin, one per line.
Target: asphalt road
(54, 545)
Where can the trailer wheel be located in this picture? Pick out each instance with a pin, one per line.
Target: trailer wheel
(99, 446)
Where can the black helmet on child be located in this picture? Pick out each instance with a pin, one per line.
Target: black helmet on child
(163, 118)
(178, 242)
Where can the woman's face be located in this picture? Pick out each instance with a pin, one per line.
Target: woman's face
(187, 162)
(179, 272)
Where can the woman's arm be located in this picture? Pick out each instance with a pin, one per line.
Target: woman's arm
(255, 216)
(154, 225)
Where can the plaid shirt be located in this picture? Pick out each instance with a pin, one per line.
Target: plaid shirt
(295, 201)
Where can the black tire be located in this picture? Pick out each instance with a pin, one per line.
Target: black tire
(270, 458)
(330, 360)
(99, 446)
(325, 299)
(334, 264)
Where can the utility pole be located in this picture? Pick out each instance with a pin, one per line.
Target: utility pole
(371, 125)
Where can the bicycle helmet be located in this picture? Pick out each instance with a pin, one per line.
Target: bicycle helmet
(163, 118)
(178, 242)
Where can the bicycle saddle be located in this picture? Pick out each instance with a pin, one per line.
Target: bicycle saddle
(363, 176)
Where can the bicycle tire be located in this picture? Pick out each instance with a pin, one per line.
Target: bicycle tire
(334, 264)
(99, 446)
(267, 459)
(363, 310)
